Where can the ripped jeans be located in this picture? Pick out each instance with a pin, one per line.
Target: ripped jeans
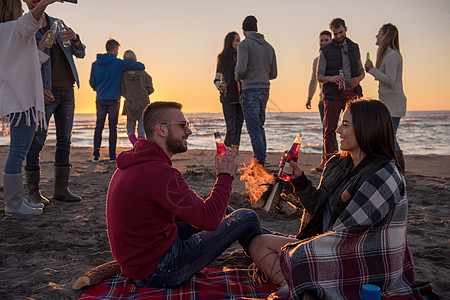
(194, 249)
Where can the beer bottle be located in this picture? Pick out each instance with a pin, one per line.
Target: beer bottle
(66, 43)
(286, 170)
(53, 31)
(220, 146)
(342, 85)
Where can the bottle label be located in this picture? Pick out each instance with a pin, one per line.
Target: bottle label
(288, 169)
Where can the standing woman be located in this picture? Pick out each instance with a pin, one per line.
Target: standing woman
(388, 71)
(136, 87)
(229, 91)
(21, 95)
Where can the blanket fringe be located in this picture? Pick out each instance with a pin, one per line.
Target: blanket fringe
(30, 115)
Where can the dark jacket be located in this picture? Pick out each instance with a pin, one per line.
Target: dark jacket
(135, 87)
(338, 185)
(69, 52)
(333, 56)
(106, 73)
(232, 94)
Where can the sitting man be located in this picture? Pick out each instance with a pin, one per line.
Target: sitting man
(146, 194)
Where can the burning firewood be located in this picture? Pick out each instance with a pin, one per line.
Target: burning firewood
(97, 275)
(274, 197)
(287, 208)
(293, 201)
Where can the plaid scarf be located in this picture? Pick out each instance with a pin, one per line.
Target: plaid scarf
(366, 245)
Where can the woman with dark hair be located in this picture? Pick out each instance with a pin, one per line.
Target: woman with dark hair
(353, 229)
(21, 95)
(229, 90)
(388, 71)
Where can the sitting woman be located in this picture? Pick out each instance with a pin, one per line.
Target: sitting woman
(353, 229)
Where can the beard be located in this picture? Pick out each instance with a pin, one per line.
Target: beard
(175, 146)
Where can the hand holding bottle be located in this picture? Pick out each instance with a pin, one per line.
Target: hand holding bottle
(368, 65)
(286, 170)
(227, 163)
(297, 171)
(67, 35)
(41, 45)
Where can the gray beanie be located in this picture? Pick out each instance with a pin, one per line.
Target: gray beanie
(249, 24)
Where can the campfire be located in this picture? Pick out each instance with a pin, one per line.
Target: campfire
(266, 191)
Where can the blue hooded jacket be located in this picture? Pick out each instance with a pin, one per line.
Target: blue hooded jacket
(106, 74)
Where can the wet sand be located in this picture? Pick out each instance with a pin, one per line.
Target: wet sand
(41, 256)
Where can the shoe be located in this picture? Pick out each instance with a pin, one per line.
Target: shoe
(32, 179)
(95, 159)
(14, 197)
(61, 190)
(113, 161)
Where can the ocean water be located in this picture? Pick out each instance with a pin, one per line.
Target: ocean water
(420, 132)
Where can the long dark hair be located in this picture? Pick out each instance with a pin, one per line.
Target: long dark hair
(390, 40)
(227, 52)
(10, 10)
(373, 128)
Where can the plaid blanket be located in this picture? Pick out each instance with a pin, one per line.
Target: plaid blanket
(367, 245)
(210, 283)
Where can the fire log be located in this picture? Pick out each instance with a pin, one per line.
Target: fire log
(293, 201)
(286, 208)
(274, 197)
(97, 275)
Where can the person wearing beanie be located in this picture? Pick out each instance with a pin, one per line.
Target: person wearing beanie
(255, 72)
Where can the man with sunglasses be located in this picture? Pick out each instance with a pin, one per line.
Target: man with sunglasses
(147, 194)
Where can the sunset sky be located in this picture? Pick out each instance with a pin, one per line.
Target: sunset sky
(178, 41)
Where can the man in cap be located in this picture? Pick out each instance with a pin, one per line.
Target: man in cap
(256, 65)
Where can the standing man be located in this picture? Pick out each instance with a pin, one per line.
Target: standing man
(324, 38)
(256, 65)
(340, 54)
(106, 74)
(58, 75)
(147, 194)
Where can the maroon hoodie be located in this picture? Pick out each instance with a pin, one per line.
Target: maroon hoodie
(145, 195)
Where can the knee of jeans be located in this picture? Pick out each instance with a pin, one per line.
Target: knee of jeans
(246, 216)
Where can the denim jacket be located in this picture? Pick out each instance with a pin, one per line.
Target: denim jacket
(46, 68)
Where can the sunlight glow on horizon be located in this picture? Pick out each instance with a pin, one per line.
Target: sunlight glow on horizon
(179, 41)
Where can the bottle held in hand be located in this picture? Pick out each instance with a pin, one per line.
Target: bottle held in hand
(66, 43)
(51, 36)
(367, 56)
(220, 146)
(222, 84)
(342, 85)
(286, 169)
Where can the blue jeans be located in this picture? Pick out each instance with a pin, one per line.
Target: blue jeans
(110, 108)
(254, 103)
(62, 109)
(131, 127)
(194, 249)
(21, 137)
(234, 118)
(395, 123)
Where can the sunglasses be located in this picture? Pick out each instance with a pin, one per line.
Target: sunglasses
(182, 124)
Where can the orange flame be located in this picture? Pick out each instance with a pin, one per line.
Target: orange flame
(255, 178)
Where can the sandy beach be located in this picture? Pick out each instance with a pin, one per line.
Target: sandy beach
(41, 256)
